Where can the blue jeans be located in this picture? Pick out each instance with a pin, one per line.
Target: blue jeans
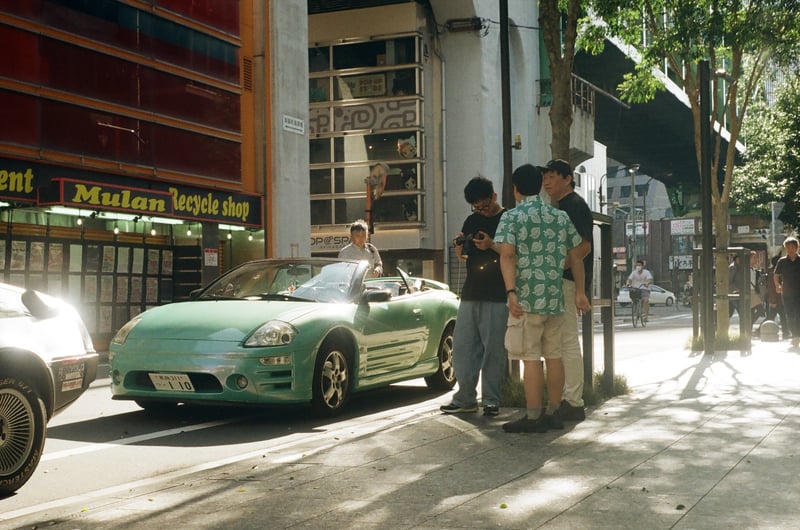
(479, 350)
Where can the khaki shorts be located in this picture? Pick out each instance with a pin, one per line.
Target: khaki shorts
(533, 336)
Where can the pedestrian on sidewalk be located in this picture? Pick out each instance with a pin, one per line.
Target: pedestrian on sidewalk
(559, 183)
(756, 277)
(774, 300)
(734, 281)
(536, 242)
(478, 349)
(787, 284)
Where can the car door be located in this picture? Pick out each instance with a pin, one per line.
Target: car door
(395, 334)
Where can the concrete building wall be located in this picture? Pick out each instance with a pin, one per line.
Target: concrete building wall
(473, 98)
(288, 221)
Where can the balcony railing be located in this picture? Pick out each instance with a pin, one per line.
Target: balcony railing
(583, 94)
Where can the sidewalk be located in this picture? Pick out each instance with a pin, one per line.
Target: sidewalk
(700, 443)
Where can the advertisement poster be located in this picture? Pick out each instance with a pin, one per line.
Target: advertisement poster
(92, 258)
(55, 257)
(18, 254)
(90, 290)
(106, 288)
(37, 256)
(136, 290)
(166, 263)
(108, 259)
(122, 289)
(152, 290)
(105, 319)
(152, 261)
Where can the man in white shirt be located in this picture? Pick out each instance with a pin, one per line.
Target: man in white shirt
(360, 249)
(641, 279)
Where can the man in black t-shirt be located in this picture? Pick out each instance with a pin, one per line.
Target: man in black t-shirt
(478, 339)
(559, 184)
(787, 284)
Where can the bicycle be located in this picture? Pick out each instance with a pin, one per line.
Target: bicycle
(637, 315)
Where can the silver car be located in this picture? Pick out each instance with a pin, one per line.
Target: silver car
(47, 361)
(658, 295)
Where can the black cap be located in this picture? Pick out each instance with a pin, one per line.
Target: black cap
(559, 166)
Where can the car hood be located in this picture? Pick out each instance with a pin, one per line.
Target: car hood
(223, 320)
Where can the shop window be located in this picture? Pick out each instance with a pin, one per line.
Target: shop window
(366, 108)
(375, 53)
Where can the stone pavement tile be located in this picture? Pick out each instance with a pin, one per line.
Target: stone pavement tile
(395, 514)
(613, 507)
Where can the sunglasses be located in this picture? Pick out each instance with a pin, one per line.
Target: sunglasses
(486, 206)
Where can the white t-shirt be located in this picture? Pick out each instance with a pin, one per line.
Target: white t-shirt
(641, 280)
(368, 253)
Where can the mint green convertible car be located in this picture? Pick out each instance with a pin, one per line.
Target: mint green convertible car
(275, 331)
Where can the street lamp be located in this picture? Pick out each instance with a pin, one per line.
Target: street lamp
(645, 224)
(631, 167)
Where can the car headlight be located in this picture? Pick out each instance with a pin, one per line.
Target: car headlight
(273, 333)
(124, 331)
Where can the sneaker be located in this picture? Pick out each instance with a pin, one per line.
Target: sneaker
(525, 425)
(452, 408)
(571, 413)
(491, 410)
(553, 421)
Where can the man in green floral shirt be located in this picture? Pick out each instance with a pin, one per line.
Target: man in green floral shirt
(536, 242)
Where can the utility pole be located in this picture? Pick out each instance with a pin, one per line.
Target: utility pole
(633, 218)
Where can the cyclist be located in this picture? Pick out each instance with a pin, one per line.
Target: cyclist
(641, 279)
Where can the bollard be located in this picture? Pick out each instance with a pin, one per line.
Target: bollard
(768, 331)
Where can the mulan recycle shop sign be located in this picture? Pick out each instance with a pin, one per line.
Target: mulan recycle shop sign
(45, 184)
(175, 201)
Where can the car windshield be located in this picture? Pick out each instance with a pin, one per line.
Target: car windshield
(317, 281)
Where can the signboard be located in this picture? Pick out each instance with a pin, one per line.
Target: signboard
(17, 181)
(295, 125)
(329, 242)
(641, 228)
(366, 86)
(682, 227)
(211, 256)
(681, 262)
(46, 184)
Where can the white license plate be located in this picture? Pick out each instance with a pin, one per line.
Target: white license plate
(172, 382)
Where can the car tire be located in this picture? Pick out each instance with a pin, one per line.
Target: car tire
(23, 426)
(669, 301)
(331, 387)
(445, 377)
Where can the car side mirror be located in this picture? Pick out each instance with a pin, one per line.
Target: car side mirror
(38, 307)
(376, 295)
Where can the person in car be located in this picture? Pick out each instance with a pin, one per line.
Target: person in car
(360, 249)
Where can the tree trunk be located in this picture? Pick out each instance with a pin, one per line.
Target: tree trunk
(720, 214)
(561, 54)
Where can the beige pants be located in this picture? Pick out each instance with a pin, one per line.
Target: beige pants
(571, 349)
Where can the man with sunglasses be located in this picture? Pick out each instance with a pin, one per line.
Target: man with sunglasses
(478, 339)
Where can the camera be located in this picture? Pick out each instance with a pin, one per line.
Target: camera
(466, 241)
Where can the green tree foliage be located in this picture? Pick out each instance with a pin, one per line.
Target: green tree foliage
(772, 158)
(740, 37)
